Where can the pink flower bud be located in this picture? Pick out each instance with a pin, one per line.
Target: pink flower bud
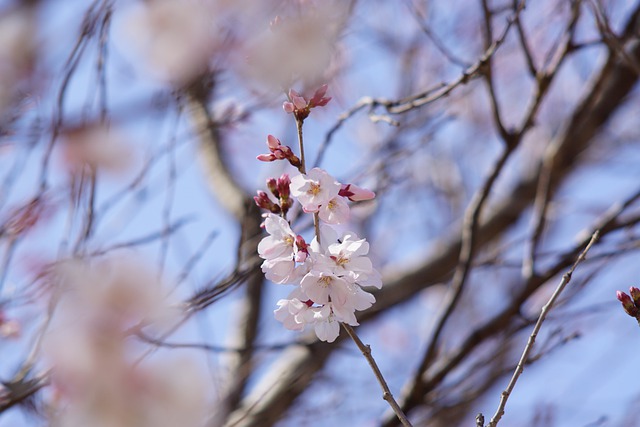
(273, 142)
(298, 100)
(627, 303)
(272, 185)
(320, 92)
(635, 295)
(279, 154)
(318, 99)
(355, 193)
(322, 102)
(288, 107)
(263, 201)
(283, 186)
(303, 251)
(266, 157)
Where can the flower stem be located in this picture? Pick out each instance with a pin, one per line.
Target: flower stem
(303, 167)
(386, 393)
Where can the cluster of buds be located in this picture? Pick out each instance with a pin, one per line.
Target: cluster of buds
(279, 200)
(300, 107)
(279, 152)
(630, 303)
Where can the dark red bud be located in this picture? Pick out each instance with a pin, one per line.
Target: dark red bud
(627, 303)
(263, 201)
(635, 295)
(272, 185)
(283, 186)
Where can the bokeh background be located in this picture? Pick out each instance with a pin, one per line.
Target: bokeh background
(498, 136)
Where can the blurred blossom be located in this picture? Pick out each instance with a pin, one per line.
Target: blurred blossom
(17, 53)
(119, 290)
(98, 146)
(25, 217)
(297, 47)
(9, 328)
(176, 38)
(96, 377)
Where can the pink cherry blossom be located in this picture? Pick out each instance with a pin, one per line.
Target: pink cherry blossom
(325, 324)
(291, 311)
(314, 189)
(322, 287)
(355, 193)
(345, 256)
(281, 239)
(336, 211)
(280, 270)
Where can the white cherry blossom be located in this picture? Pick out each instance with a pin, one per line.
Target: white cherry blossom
(314, 189)
(291, 311)
(336, 211)
(322, 287)
(281, 239)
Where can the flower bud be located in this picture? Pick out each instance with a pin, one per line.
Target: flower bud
(355, 193)
(266, 157)
(635, 295)
(273, 142)
(627, 303)
(283, 186)
(272, 185)
(263, 201)
(303, 251)
(319, 99)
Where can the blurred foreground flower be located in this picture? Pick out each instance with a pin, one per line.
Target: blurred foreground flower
(9, 328)
(299, 47)
(97, 377)
(97, 146)
(18, 31)
(176, 38)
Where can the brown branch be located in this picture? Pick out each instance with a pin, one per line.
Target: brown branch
(241, 206)
(386, 393)
(463, 267)
(418, 100)
(566, 278)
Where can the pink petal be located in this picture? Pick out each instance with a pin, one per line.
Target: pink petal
(273, 142)
(266, 157)
(288, 107)
(322, 90)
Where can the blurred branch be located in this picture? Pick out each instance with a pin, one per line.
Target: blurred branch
(242, 207)
(463, 267)
(418, 100)
(17, 392)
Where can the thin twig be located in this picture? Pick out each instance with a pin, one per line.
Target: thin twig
(386, 393)
(566, 278)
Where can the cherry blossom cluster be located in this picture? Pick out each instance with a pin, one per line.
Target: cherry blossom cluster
(330, 271)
